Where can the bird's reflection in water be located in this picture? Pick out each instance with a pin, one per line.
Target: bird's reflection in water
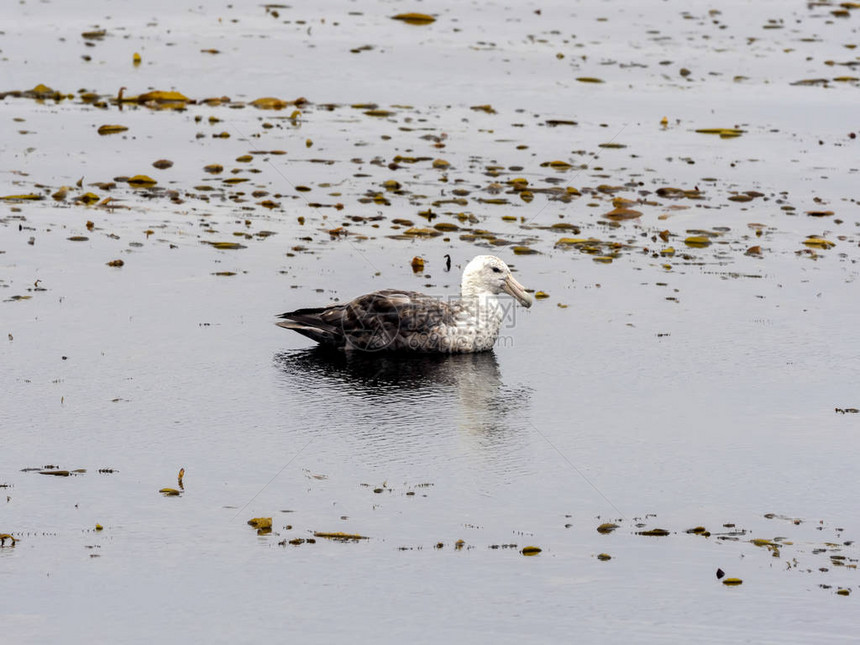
(375, 393)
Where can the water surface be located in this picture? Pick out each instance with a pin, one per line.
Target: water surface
(659, 385)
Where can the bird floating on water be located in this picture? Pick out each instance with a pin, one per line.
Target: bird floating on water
(397, 320)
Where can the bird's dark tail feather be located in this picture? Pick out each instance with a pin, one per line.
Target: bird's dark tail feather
(310, 322)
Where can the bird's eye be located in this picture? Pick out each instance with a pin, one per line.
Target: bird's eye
(496, 270)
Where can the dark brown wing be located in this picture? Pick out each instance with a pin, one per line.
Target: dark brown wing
(383, 320)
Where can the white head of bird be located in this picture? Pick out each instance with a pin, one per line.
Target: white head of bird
(488, 275)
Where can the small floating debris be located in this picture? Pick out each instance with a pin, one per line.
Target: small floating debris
(670, 192)
(169, 492)
(261, 523)
(87, 198)
(622, 213)
(699, 530)
(557, 164)
(607, 527)
(698, 241)
(414, 18)
(111, 129)
(733, 582)
(578, 241)
(723, 133)
(225, 246)
(818, 242)
(160, 96)
(417, 231)
(270, 103)
(6, 536)
(22, 198)
(531, 550)
(654, 533)
(141, 181)
(811, 82)
(343, 537)
(42, 91)
(604, 557)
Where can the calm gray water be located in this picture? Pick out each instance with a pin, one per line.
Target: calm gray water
(664, 385)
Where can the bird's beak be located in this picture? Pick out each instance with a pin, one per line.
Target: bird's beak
(518, 291)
